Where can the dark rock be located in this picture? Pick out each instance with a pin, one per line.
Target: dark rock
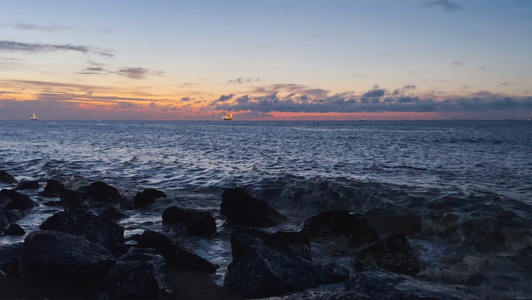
(60, 260)
(57, 221)
(4, 221)
(14, 230)
(387, 222)
(72, 202)
(195, 222)
(137, 275)
(101, 192)
(53, 203)
(242, 209)
(392, 253)
(322, 295)
(175, 255)
(147, 197)
(53, 188)
(381, 284)
(9, 257)
(28, 185)
(96, 229)
(15, 200)
(112, 213)
(6, 177)
(339, 227)
(14, 215)
(260, 271)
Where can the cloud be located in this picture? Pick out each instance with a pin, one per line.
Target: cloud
(37, 47)
(241, 80)
(457, 63)
(375, 92)
(290, 88)
(26, 26)
(138, 73)
(224, 98)
(93, 71)
(448, 5)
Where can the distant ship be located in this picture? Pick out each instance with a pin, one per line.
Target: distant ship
(228, 117)
(33, 118)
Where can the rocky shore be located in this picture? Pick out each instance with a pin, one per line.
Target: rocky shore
(80, 252)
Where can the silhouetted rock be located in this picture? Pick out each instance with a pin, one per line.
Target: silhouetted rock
(4, 221)
(96, 229)
(56, 221)
(6, 177)
(147, 197)
(112, 213)
(28, 185)
(381, 284)
(15, 200)
(139, 274)
(100, 192)
(387, 222)
(14, 215)
(53, 188)
(340, 227)
(14, 230)
(392, 253)
(9, 257)
(195, 222)
(261, 271)
(60, 260)
(174, 254)
(242, 209)
(72, 202)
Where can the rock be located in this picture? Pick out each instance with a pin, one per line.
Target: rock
(56, 221)
(60, 260)
(195, 222)
(137, 275)
(322, 295)
(242, 209)
(6, 177)
(147, 197)
(96, 229)
(28, 185)
(15, 200)
(4, 221)
(101, 192)
(14, 215)
(340, 227)
(391, 222)
(112, 213)
(174, 255)
(392, 253)
(53, 188)
(14, 230)
(260, 271)
(9, 257)
(72, 202)
(381, 284)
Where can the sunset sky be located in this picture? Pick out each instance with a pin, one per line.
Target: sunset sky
(266, 59)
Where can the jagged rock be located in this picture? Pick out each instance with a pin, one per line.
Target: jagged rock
(112, 213)
(101, 192)
(56, 221)
(381, 284)
(72, 202)
(61, 260)
(137, 275)
(14, 230)
(28, 185)
(96, 229)
(260, 271)
(195, 222)
(242, 209)
(6, 177)
(14, 215)
(9, 257)
(53, 188)
(15, 200)
(339, 228)
(174, 254)
(147, 197)
(392, 253)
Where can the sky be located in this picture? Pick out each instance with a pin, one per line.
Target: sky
(265, 59)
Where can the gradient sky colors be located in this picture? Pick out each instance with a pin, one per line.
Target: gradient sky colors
(266, 60)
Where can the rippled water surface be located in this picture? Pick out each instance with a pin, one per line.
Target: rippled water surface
(455, 175)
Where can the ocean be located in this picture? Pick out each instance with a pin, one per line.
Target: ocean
(469, 182)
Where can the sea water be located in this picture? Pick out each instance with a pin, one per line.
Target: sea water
(469, 182)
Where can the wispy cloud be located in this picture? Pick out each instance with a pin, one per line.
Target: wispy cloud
(290, 88)
(37, 47)
(448, 5)
(138, 73)
(26, 26)
(241, 80)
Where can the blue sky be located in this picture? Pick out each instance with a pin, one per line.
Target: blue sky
(266, 59)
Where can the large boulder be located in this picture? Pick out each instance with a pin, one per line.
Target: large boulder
(60, 260)
(341, 228)
(12, 199)
(195, 222)
(112, 213)
(72, 203)
(175, 255)
(392, 253)
(96, 229)
(6, 177)
(381, 284)
(242, 209)
(261, 271)
(14, 230)
(57, 221)
(147, 197)
(28, 185)
(100, 192)
(139, 274)
(53, 188)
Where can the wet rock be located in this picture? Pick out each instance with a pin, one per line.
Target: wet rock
(137, 275)
(392, 253)
(195, 222)
(112, 213)
(9, 257)
(242, 209)
(261, 271)
(53, 188)
(4, 221)
(322, 295)
(15, 200)
(387, 222)
(6, 177)
(14, 230)
(100, 192)
(28, 185)
(96, 229)
(337, 226)
(72, 203)
(147, 197)
(56, 221)
(60, 260)
(381, 284)
(14, 215)
(175, 255)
